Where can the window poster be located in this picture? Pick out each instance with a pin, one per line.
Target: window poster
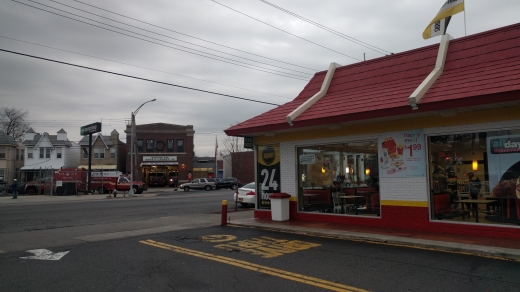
(268, 174)
(402, 154)
(503, 158)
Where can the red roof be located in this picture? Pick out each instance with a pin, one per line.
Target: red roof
(480, 69)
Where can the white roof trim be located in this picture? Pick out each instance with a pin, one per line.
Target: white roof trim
(307, 104)
(428, 82)
(102, 140)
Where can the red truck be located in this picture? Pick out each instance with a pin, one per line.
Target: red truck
(68, 181)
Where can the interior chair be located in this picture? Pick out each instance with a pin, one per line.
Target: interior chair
(463, 189)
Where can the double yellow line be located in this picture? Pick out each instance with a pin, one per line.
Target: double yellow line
(257, 268)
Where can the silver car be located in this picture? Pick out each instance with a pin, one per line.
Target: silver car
(199, 184)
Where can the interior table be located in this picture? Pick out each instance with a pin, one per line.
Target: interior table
(355, 198)
(472, 201)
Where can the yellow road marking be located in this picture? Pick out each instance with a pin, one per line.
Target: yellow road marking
(218, 238)
(257, 268)
(407, 245)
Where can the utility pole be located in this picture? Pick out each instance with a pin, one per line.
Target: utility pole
(132, 148)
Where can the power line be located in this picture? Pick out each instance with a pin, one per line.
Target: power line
(166, 36)
(140, 66)
(297, 76)
(361, 43)
(286, 31)
(176, 44)
(139, 78)
(231, 48)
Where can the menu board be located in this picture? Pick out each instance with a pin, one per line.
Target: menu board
(402, 154)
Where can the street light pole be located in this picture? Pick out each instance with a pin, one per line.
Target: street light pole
(132, 138)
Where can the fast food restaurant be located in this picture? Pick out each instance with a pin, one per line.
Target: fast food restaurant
(427, 139)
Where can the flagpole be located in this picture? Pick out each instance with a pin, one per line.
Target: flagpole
(465, 34)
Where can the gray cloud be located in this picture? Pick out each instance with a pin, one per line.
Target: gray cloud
(59, 96)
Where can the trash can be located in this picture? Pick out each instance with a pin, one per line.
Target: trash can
(280, 206)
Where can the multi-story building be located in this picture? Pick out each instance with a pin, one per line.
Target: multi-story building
(44, 153)
(108, 152)
(162, 151)
(11, 158)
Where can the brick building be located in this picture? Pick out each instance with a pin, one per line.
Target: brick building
(162, 151)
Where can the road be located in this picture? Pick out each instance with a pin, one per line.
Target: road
(173, 242)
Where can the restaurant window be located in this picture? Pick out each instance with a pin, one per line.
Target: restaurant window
(41, 152)
(180, 145)
(169, 145)
(139, 145)
(2, 152)
(475, 175)
(29, 152)
(149, 145)
(341, 179)
(112, 152)
(58, 152)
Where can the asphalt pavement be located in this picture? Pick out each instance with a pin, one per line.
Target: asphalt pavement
(500, 248)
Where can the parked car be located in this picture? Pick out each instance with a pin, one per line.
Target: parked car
(228, 183)
(199, 184)
(246, 195)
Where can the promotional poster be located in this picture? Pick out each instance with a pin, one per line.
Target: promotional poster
(402, 154)
(268, 174)
(503, 157)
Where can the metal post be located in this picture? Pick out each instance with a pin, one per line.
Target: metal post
(131, 190)
(89, 162)
(132, 148)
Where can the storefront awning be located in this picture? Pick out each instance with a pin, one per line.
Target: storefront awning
(160, 163)
(99, 166)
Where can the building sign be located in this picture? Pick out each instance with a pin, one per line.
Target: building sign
(268, 174)
(90, 129)
(159, 158)
(402, 154)
(307, 159)
(503, 158)
(248, 143)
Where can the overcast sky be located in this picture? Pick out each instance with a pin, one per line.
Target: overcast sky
(166, 41)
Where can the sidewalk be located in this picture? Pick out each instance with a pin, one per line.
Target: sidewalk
(499, 248)
(30, 199)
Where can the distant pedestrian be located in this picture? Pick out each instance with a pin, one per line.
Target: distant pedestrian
(175, 182)
(14, 189)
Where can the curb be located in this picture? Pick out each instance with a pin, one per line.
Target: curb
(498, 253)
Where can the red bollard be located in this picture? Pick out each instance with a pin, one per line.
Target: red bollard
(223, 221)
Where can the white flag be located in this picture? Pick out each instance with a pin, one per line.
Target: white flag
(440, 22)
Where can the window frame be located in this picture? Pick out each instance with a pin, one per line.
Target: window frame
(112, 153)
(170, 142)
(150, 145)
(180, 145)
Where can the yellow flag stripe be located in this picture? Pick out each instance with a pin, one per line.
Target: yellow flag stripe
(258, 268)
(441, 15)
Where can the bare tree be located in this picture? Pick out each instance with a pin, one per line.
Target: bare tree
(232, 150)
(13, 122)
